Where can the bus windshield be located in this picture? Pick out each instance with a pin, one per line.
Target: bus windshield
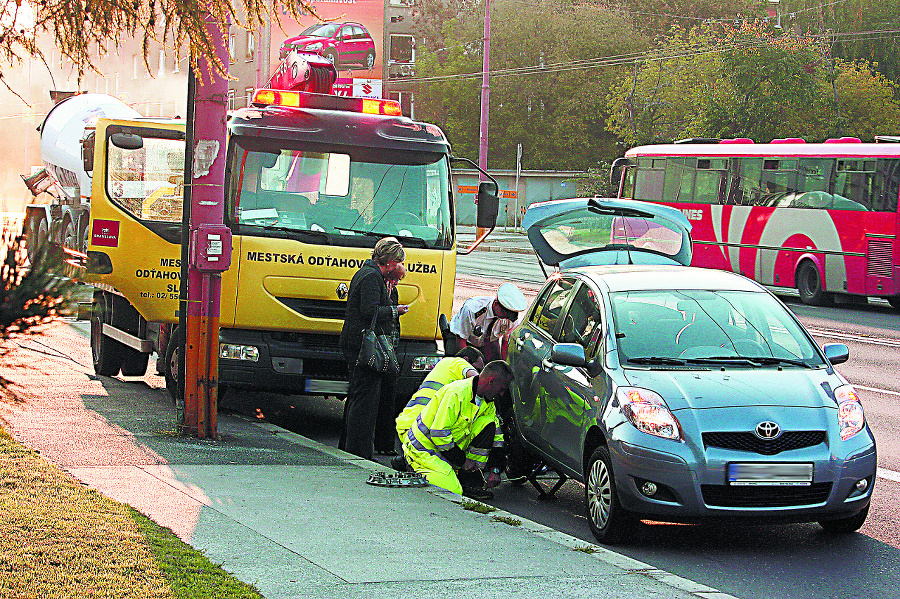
(343, 193)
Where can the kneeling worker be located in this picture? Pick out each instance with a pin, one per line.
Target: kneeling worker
(457, 433)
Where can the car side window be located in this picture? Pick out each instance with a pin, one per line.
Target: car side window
(582, 320)
(548, 314)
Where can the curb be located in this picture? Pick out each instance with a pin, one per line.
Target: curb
(571, 543)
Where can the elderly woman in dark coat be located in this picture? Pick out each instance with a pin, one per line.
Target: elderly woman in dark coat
(370, 398)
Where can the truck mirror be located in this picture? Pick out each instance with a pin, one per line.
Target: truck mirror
(87, 152)
(127, 141)
(488, 205)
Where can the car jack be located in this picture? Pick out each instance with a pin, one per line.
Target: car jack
(542, 468)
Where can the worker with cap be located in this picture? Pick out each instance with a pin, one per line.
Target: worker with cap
(466, 364)
(484, 320)
(456, 437)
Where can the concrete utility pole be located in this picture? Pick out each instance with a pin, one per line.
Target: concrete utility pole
(206, 242)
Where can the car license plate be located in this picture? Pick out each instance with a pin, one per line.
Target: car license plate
(327, 387)
(747, 474)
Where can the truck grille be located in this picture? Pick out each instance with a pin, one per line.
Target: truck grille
(764, 496)
(316, 308)
(746, 441)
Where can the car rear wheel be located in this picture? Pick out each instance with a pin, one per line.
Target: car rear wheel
(845, 525)
(331, 57)
(608, 520)
(370, 60)
(809, 284)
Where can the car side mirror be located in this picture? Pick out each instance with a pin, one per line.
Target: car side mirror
(837, 353)
(568, 354)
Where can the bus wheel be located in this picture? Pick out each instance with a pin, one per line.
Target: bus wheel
(106, 352)
(134, 362)
(809, 284)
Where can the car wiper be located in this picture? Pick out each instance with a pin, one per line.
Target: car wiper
(774, 360)
(410, 240)
(657, 360)
(358, 231)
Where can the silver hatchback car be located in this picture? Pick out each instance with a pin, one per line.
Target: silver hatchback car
(675, 393)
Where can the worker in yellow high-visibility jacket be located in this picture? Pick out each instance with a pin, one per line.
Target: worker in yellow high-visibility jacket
(457, 430)
(466, 364)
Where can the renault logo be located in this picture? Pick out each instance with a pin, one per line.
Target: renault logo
(768, 430)
(342, 291)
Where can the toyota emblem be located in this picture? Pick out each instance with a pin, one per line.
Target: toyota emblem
(768, 430)
(342, 291)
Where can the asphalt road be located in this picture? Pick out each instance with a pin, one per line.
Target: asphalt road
(798, 561)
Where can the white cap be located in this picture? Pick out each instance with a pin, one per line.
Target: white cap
(511, 297)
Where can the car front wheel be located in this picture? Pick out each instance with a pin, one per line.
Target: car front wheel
(608, 520)
(845, 525)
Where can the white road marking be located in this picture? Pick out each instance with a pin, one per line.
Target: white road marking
(830, 334)
(876, 390)
(889, 475)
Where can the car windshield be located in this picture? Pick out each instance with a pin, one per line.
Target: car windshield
(691, 328)
(322, 29)
(341, 195)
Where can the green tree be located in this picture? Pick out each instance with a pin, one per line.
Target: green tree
(747, 81)
(549, 72)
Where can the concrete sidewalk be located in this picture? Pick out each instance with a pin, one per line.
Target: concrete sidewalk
(291, 516)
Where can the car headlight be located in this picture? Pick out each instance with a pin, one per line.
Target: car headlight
(851, 418)
(647, 411)
(314, 46)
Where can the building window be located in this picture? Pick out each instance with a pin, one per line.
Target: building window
(231, 99)
(401, 2)
(161, 72)
(251, 45)
(134, 66)
(406, 102)
(403, 49)
(231, 41)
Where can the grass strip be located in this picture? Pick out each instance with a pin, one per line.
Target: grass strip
(60, 539)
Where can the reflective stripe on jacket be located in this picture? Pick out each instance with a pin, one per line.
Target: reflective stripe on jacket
(453, 418)
(446, 371)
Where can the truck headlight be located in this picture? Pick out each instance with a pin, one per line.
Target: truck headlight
(238, 352)
(424, 363)
(647, 411)
(851, 418)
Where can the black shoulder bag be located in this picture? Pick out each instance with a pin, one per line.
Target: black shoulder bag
(376, 351)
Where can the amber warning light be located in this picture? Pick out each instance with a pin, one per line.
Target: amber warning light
(292, 99)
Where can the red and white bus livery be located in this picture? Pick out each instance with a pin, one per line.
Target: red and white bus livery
(821, 217)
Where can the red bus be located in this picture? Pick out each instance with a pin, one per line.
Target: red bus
(820, 217)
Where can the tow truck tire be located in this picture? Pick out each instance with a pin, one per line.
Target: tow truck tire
(607, 518)
(809, 284)
(134, 362)
(70, 235)
(106, 353)
(171, 364)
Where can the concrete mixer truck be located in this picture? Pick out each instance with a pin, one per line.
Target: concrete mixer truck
(313, 181)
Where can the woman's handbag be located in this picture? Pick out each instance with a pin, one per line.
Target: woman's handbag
(376, 351)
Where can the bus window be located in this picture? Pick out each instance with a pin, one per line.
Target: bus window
(778, 181)
(888, 185)
(745, 186)
(672, 184)
(709, 185)
(649, 181)
(854, 184)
